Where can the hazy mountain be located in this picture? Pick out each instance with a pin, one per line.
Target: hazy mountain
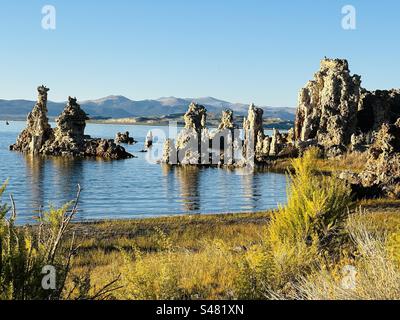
(122, 107)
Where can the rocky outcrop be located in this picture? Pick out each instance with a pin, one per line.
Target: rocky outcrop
(376, 108)
(69, 134)
(383, 166)
(149, 140)
(227, 122)
(253, 132)
(195, 145)
(106, 149)
(337, 114)
(68, 138)
(195, 134)
(38, 130)
(169, 152)
(124, 138)
(328, 106)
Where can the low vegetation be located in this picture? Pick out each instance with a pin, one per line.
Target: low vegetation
(320, 245)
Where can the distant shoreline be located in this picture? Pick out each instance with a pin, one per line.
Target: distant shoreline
(280, 125)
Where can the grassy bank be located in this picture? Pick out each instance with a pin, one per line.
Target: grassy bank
(296, 252)
(190, 257)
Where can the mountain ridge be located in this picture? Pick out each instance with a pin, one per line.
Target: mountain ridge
(119, 106)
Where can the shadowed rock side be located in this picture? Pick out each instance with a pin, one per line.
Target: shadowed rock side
(68, 138)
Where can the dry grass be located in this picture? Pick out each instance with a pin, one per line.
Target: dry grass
(372, 275)
(354, 162)
(188, 257)
(297, 252)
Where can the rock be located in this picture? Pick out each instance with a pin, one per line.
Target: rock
(381, 175)
(38, 130)
(225, 141)
(335, 151)
(69, 135)
(253, 134)
(227, 120)
(124, 138)
(376, 108)
(328, 105)
(360, 142)
(106, 149)
(195, 118)
(190, 139)
(149, 140)
(169, 152)
(68, 138)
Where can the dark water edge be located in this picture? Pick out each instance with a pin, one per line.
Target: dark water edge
(132, 188)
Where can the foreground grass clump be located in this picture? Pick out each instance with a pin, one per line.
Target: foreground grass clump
(24, 254)
(301, 233)
(28, 254)
(372, 275)
(189, 257)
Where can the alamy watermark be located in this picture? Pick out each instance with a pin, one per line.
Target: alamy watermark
(349, 20)
(206, 148)
(349, 278)
(49, 18)
(50, 277)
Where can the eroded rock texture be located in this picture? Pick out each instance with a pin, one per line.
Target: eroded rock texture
(69, 135)
(336, 113)
(253, 133)
(376, 108)
(68, 138)
(38, 130)
(383, 166)
(121, 137)
(149, 140)
(191, 138)
(227, 120)
(328, 106)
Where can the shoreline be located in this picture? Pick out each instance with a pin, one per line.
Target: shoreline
(132, 227)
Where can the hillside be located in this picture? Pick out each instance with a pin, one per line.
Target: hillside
(116, 107)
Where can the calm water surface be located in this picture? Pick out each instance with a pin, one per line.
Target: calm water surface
(133, 188)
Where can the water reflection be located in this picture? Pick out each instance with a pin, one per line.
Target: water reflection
(35, 171)
(62, 174)
(251, 190)
(188, 178)
(132, 188)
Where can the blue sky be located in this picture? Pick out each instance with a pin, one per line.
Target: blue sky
(242, 51)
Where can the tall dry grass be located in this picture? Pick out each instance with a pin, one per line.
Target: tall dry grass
(375, 273)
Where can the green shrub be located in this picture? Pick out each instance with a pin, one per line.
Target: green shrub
(25, 251)
(300, 233)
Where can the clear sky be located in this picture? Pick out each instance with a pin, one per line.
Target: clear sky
(242, 51)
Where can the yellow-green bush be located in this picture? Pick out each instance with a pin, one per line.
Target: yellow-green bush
(25, 251)
(300, 233)
(173, 274)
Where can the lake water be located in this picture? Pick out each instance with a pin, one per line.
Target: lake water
(133, 188)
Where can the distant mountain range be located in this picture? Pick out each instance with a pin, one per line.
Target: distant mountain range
(113, 107)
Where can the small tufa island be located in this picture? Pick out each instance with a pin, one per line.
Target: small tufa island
(68, 138)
